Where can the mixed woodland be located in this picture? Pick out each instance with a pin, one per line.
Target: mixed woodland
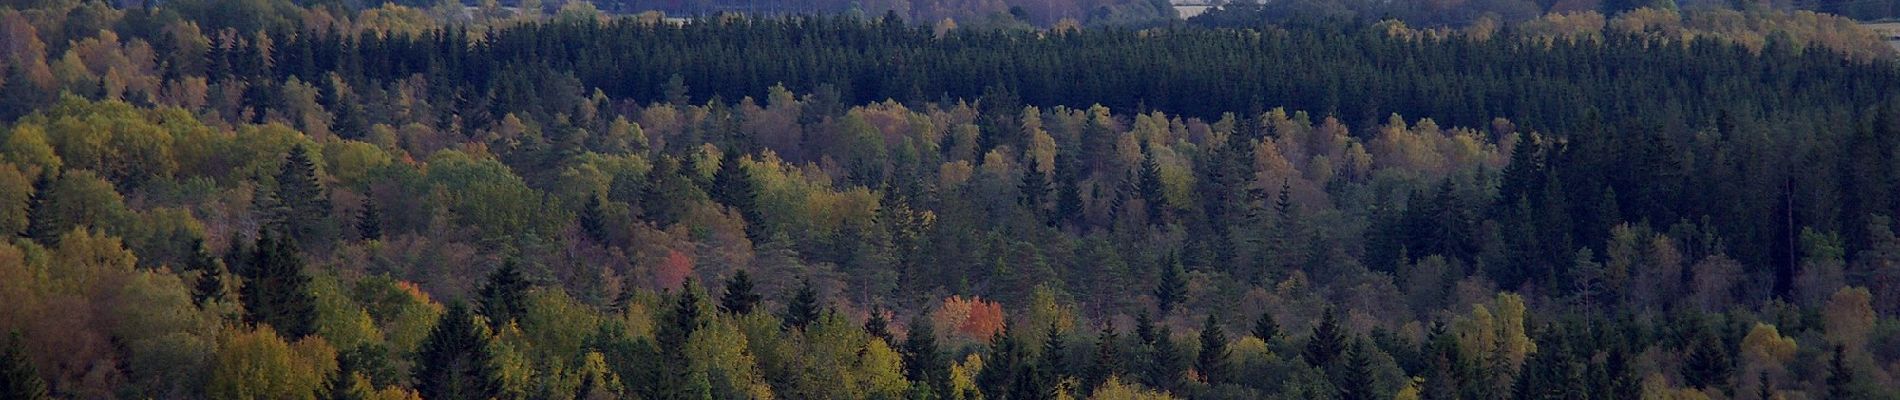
(272, 200)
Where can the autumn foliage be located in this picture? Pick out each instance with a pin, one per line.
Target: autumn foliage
(973, 318)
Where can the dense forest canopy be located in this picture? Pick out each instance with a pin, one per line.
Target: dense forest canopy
(257, 199)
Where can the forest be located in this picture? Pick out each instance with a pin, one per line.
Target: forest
(278, 200)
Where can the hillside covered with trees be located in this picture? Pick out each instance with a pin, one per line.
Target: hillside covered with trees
(243, 200)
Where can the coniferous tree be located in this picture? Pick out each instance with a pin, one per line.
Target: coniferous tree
(804, 308)
(1213, 361)
(1355, 380)
(1171, 289)
(369, 224)
(1001, 366)
(1164, 361)
(276, 291)
(1150, 186)
(302, 202)
(210, 287)
(1068, 191)
(1840, 377)
(454, 361)
(1054, 364)
(18, 378)
(1266, 329)
(1326, 343)
(1034, 188)
(1107, 362)
(1145, 329)
(1441, 376)
(1708, 363)
(503, 299)
(739, 297)
(733, 186)
(879, 327)
(43, 224)
(923, 361)
(593, 220)
(680, 323)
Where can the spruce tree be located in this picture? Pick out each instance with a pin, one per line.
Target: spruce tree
(1001, 366)
(276, 291)
(43, 224)
(879, 327)
(1034, 188)
(733, 186)
(923, 360)
(369, 224)
(1355, 381)
(739, 297)
(453, 362)
(1171, 289)
(1326, 343)
(302, 203)
(804, 308)
(1068, 191)
(1164, 361)
(1055, 364)
(593, 220)
(18, 378)
(1213, 361)
(1266, 328)
(1107, 362)
(678, 326)
(504, 298)
(1150, 187)
(1840, 378)
(1708, 363)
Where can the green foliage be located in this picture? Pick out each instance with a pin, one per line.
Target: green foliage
(276, 289)
(18, 378)
(739, 296)
(456, 362)
(1214, 361)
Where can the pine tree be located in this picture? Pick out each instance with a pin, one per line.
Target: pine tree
(1171, 289)
(804, 308)
(923, 361)
(453, 362)
(369, 224)
(1266, 328)
(504, 298)
(739, 297)
(303, 203)
(1355, 381)
(276, 291)
(18, 378)
(1213, 361)
(1326, 343)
